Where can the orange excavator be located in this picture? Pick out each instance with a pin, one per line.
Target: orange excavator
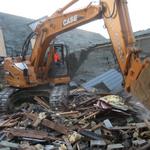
(27, 72)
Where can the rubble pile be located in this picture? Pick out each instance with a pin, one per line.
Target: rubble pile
(85, 121)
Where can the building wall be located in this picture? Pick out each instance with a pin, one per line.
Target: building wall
(99, 60)
(144, 44)
(2, 45)
(96, 60)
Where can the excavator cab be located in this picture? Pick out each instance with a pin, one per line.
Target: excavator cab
(60, 52)
(60, 62)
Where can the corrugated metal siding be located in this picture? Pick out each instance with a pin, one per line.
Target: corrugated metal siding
(112, 79)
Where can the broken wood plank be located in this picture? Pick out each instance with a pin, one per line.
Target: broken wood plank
(49, 124)
(38, 120)
(87, 102)
(9, 122)
(90, 116)
(97, 126)
(84, 108)
(28, 133)
(41, 102)
(69, 114)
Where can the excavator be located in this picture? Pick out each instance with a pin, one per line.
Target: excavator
(27, 72)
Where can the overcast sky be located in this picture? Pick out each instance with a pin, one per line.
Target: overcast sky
(139, 11)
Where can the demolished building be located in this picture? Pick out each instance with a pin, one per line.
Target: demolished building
(88, 120)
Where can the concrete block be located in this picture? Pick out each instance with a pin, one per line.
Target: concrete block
(98, 143)
(107, 124)
(139, 142)
(115, 147)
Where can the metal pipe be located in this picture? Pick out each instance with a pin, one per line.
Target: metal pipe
(68, 5)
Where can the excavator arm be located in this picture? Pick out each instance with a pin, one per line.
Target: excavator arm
(136, 72)
(117, 21)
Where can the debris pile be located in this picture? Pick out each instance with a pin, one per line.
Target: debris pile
(85, 121)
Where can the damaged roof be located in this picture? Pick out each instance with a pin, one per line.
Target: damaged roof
(142, 33)
(15, 31)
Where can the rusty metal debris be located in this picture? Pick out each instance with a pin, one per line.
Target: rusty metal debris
(89, 121)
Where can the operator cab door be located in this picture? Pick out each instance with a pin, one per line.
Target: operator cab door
(60, 50)
(59, 67)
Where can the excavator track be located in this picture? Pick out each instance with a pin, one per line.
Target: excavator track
(11, 99)
(4, 96)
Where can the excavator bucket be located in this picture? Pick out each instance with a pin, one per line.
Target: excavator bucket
(141, 87)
